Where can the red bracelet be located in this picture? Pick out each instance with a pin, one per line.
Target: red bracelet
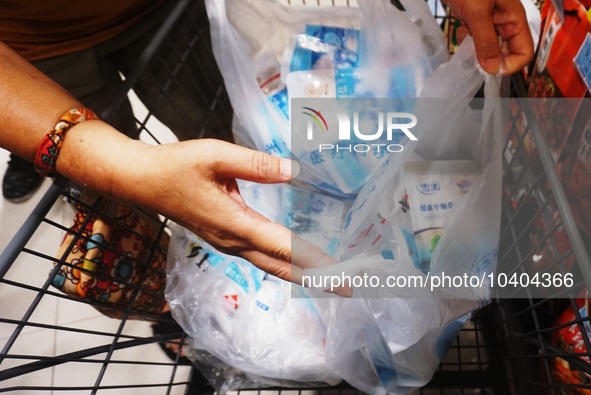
(49, 149)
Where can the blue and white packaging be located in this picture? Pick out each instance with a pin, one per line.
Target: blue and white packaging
(244, 317)
(322, 47)
(434, 187)
(268, 76)
(316, 217)
(398, 341)
(270, 54)
(313, 215)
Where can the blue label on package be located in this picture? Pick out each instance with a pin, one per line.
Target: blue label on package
(340, 45)
(583, 61)
(233, 272)
(280, 99)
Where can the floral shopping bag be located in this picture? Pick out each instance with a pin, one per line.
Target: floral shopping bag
(115, 257)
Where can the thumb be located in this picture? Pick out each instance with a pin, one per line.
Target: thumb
(247, 164)
(486, 42)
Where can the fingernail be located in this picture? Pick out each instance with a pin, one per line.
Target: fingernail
(289, 168)
(491, 65)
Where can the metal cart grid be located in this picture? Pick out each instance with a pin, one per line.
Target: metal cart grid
(539, 233)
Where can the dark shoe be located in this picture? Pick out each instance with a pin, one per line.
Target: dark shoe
(172, 346)
(20, 180)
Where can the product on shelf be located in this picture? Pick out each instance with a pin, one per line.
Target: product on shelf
(576, 170)
(520, 147)
(555, 74)
(570, 340)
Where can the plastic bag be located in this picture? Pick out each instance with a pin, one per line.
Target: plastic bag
(245, 328)
(244, 318)
(269, 53)
(387, 339)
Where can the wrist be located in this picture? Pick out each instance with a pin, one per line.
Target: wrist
(51, 144)
(98, 157)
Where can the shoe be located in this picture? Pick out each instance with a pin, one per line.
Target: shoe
(20, 180)
(172, 348)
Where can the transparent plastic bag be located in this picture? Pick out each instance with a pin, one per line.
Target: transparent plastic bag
(246, 329)
(269, 53)
(244, 318)
(387, 339)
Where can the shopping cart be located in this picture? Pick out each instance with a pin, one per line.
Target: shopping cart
(53, 343)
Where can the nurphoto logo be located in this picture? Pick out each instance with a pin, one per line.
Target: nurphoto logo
(385, 122)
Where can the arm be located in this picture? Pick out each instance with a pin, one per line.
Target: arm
(486, 21)
(192, 182)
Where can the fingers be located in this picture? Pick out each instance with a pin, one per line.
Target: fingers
(486, 42)
(276, 267)
(462, 32)
(304, 255)
(234, 228)
(246, 164)
(283, 246)
(486, 21)
(517, 53)
(280, 252)
(292, 271)
(307, 256)
(218, 213)
(517, 46)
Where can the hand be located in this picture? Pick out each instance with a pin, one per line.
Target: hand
(194, 183)
(486, 20)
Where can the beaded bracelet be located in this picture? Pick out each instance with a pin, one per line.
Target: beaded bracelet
(49, 149)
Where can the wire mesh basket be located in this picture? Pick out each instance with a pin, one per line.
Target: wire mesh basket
(544, 339)
(54, 343)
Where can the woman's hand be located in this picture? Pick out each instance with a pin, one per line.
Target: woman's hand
(192, 183)
(486, 21)
(195, 185)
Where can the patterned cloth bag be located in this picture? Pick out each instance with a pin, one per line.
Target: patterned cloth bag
(114, 256)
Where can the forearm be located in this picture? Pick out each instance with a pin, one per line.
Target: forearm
(93, 154)
(30, 104)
